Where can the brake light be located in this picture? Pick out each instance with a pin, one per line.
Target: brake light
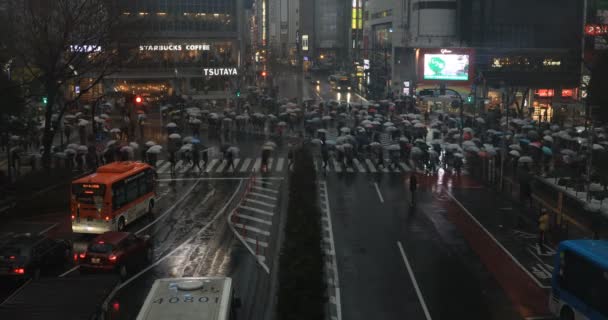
(12, 257)
(116, 306)
(19, 271)
(107, 218)
(112, 257)
(82, 255)
(101, 242)
(75, 257)
(73, 217)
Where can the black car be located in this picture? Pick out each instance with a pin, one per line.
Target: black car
(27, 256)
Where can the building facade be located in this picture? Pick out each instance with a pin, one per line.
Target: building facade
(176, 46)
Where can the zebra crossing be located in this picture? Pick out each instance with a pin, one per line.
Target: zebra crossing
(280, 165)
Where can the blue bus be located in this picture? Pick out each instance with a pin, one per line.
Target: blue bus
(580, 280)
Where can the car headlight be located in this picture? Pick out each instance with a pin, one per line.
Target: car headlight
(348, 88)
(339, 88)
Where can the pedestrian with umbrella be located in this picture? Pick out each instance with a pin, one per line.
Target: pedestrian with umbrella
(205, 156)
(230, 157)
(266, 150)
(172, 161)
(196, 158)
(325, 155)
(413, 188)
(290, 154)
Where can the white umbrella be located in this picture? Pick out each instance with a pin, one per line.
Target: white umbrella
(282, 124)
(452, 146)
(514, 153)
(195, 121)
(568, 152)
(366, 122)
(471, 149)
(595, 187)
(270, 143)
(150, 143)
(126, 149)
(73, 146)
(393, 147)
(480, 120)
(598, 147)
(391, 129)
(233, 150)
(82, 149)
(82, 122)
(134, 145)
(458, 155)
(345, 130)
(186, 147)
(416, 150)
(322, 131)
(171, 125)
(404, 139)
(525, 159)
(155, 149)
(316, 141)
(419, 125)
(187, 139)
(267, 147)
(515, 147)
(469, 144)
(175, 136)
(115, 130)
(548, 138)
(467, 130)
(70, 117)
(389, 124)
(104, 116)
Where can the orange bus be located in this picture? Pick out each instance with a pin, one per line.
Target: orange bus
(111, 198)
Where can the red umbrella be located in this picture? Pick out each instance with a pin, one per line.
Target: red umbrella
(372, 110)
(467, 136)
(536, 144)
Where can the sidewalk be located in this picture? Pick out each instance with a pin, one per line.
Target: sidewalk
(504, 236)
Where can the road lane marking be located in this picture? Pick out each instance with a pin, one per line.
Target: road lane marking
(280, 164)
(334, 265)
(47, 229)
(256, 165)
(236, 164)
(69, 271)
(268, 213)
(404, 166)
(16, 291)
(265, 189)
(209, 194)
(164, 167)
(245, 165)
(211, 165)
(370, 164)
(337, 166)
(221, 167)
(257, 242)
(261, 195)
(262, 203)
(252, 218)
(496, 241)
(416, 287)
(157, 262)
(378, 192)
(215, 178)
(359, 166)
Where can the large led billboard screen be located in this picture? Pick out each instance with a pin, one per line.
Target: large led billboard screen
(454, 67)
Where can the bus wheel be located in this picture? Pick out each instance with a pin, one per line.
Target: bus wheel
(566, 314)
(121, 224)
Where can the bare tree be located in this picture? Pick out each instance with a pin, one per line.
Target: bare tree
(59, 43)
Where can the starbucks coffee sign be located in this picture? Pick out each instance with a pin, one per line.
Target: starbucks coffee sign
(175, 47)
(210, 72)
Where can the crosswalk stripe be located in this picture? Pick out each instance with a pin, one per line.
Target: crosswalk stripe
(256, 165)
(159, 163)
(221, 167)
(337, 166)
(264, 189)
(268, 213)
(384, 168)
(349, 169)
(254, 229)
(257, 242)
(261, 195)
(262, 203)
(404, 166)
(236, 164)
(371, 166)
(245, 165)
(211, 165)
(358, 165)
(183, 166)
(270, 162)
(280, 164)
(164, 167)
(258, 220)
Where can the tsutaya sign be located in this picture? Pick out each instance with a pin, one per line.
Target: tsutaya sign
(174, 47)
(220, 72)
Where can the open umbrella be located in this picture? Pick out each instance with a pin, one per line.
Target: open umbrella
(175, 136)
(82, 122)
(514, 153)
(82, 149)
(515, 147)
(171, 125)
(155, 149)
(316, 141)
(548, 138)
(598, 147)
(536, 144)
(393, 147)
(186, 147)
(150, 143)
(345, 130)
(547, 151)
(115, 130)
(134, 145)
(568, 152)
(419, 125)
(525, 159)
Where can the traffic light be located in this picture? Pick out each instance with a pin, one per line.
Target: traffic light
(238, 93)
(470, 99)
(264, 73)
(138, 100)
(45, 100)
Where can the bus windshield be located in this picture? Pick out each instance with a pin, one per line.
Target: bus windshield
(85, 193)
(343, 82)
